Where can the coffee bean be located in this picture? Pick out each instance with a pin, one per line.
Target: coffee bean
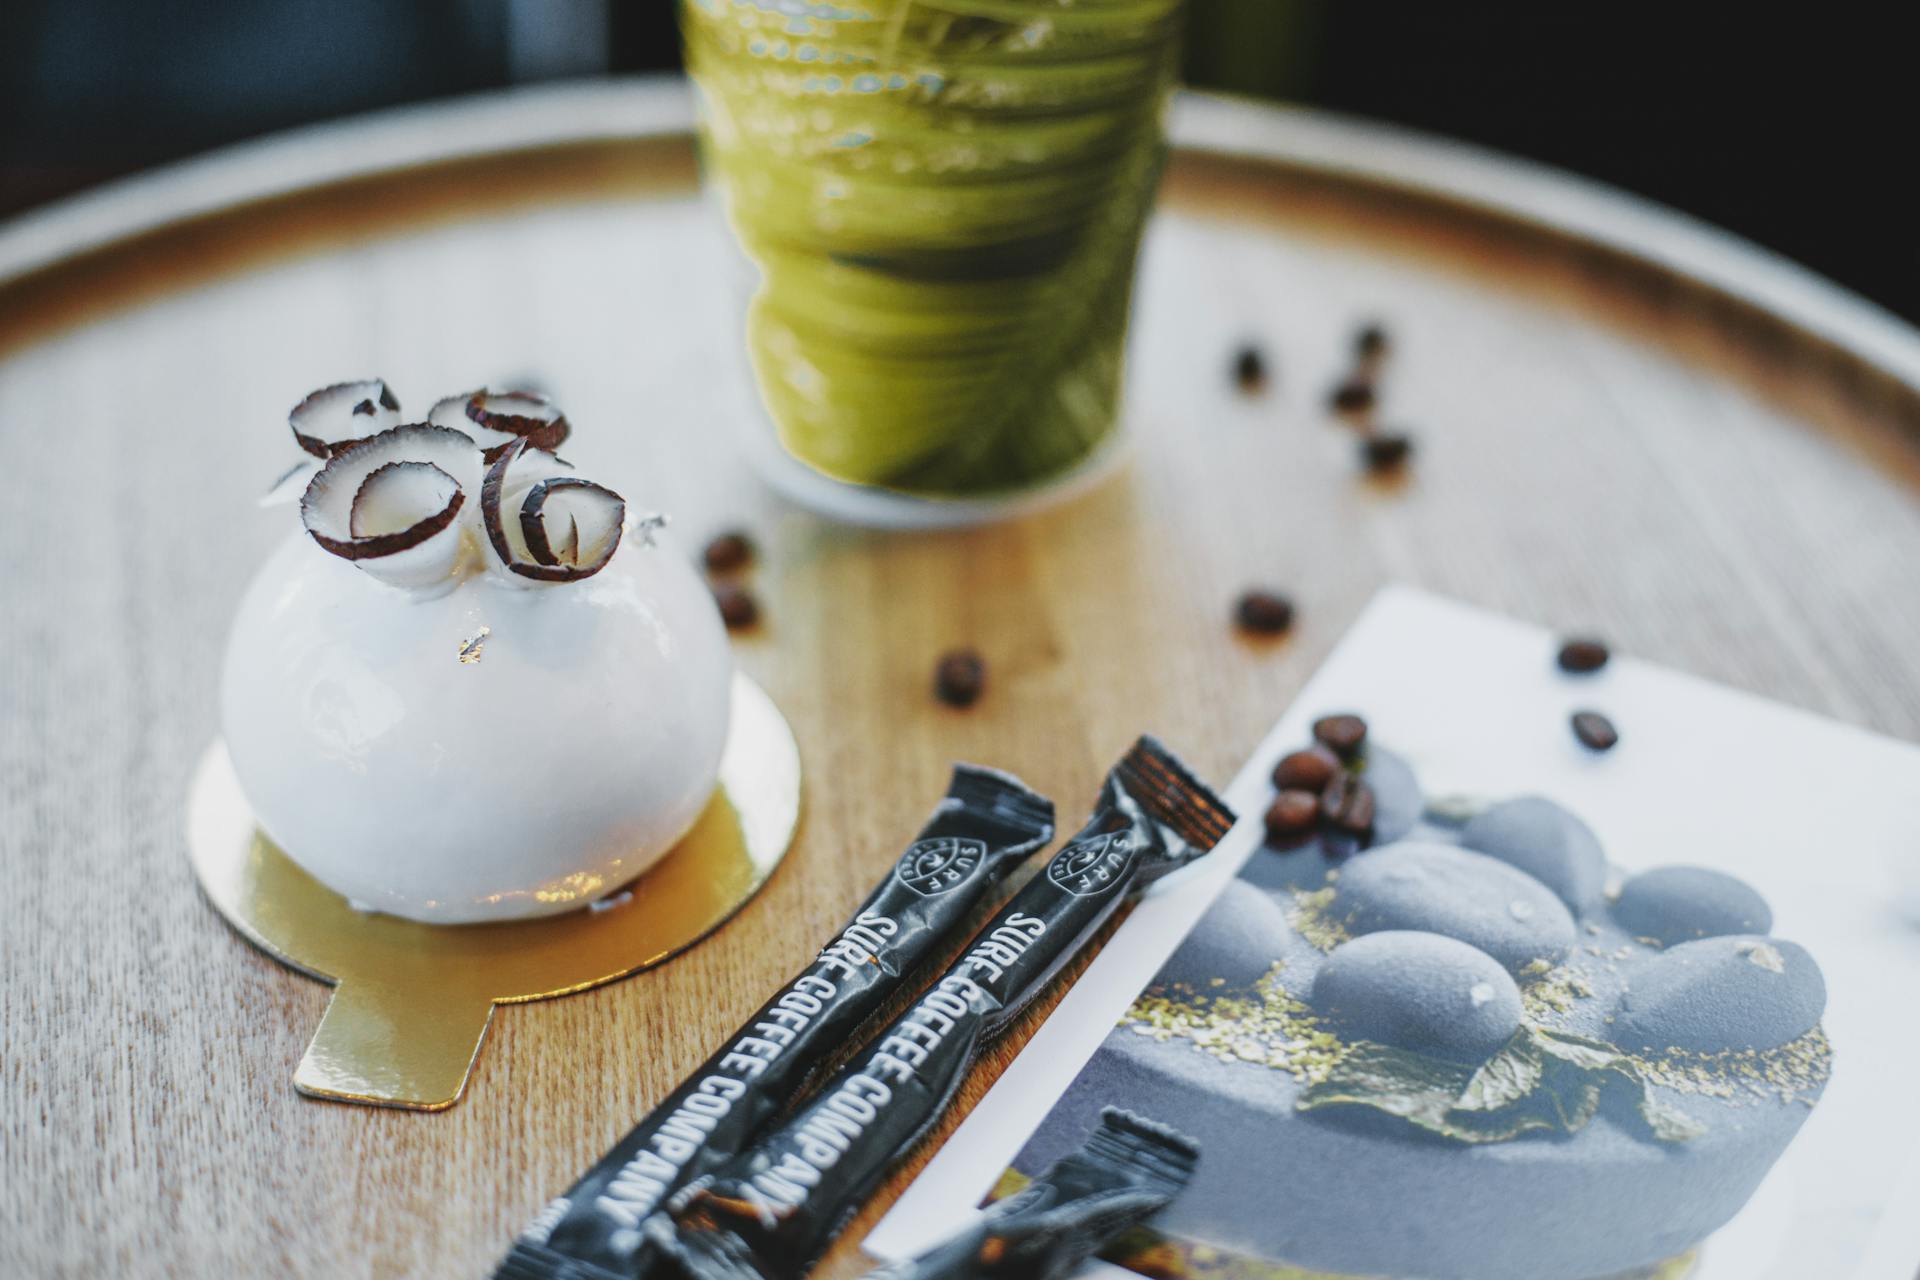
(1355, 395)
(1343, 735)
(1348, 805)
(1308, 770)
(1594, 730)
(1356, 816)
(728, 552)
(1264, 613)
(1292, 813)
(1578, 657)
(1385, 452)
(738, 608)
(959, 678)
(1249, 369)
(1371, 342)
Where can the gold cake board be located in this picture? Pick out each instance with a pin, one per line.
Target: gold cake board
(412, 1001)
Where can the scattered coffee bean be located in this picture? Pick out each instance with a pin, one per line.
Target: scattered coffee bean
(1263, 613)
(1355, 395)
(1293, 813)
(1343, 735)
(1388, 452)
(1347, 805)
(738, 609)
(1594, 730)
(1371, 342)
(1308, 770)
(959, 678)
(728, 552)
(1579, 657)
(1249, 369)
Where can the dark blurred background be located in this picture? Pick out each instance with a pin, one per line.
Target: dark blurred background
(1792, 129)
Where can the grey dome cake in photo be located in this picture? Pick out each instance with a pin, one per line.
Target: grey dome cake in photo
(1457, 1055)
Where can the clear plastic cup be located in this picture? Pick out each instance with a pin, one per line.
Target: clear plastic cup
(943, 201)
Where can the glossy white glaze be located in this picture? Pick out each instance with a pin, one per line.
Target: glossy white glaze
(578, 747)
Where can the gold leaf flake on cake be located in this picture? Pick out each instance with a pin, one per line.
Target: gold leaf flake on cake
(1550, 989)
(1311, 916)
(1793, 1072)
(1266, 1025)
(473, 648)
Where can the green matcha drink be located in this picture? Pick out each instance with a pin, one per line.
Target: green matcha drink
(944, 199)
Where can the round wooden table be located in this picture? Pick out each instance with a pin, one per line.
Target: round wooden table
(1624, 422)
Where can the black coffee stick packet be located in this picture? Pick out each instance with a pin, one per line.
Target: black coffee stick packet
(772, 1211)
(1129, 1170)
(987, 822)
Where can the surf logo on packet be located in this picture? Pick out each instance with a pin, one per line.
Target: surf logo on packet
(1090, 866)
(935, 866)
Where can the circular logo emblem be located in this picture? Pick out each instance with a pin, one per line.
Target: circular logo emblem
(1090, 866)
(937, 865)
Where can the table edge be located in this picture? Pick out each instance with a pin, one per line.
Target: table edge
(1325, 143)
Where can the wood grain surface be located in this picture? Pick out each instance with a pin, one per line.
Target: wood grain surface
(1600, 445)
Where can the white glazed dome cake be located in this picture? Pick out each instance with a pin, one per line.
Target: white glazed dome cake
(473, 688)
